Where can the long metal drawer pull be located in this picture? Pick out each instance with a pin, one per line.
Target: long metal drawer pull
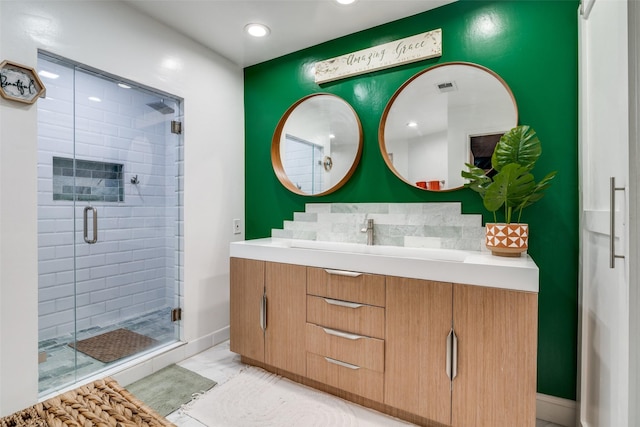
(342, 303)
(95, 224)
(343, 273)
(612, 222)
(342, 334)
(343, 364)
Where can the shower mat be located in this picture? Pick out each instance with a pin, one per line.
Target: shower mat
(257, 398)
(101, 403)
(114, 345)
(168, 389)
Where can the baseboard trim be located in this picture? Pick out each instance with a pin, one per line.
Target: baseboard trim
(556, 410)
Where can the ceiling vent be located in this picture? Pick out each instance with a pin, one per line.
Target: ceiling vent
(447, 87)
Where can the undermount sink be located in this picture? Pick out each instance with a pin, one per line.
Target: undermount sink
(394, 251)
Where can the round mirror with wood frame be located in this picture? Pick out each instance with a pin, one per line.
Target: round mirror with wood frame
(317, 145)
(441, 118)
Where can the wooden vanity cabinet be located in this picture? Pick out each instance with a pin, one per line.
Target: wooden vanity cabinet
(494, 368)
(270, 331)
(419, 317)
(246, 336)
(390, 340)
(497, 332)
(345, 331)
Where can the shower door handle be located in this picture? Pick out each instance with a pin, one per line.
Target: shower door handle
(95, 224)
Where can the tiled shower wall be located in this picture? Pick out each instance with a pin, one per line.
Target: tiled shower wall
(134, 266)
(298, 156)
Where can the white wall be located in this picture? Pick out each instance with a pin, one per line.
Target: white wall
(115, 38)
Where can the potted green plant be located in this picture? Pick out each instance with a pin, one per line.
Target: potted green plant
(511, 187)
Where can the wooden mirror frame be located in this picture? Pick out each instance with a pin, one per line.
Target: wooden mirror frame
(424, 185)
(276, 159)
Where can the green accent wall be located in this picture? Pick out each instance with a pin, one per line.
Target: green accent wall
(534, 49)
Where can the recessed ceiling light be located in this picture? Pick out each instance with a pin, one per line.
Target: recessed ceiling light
(345, 1)
(48, 74)
(412, 124)
(94, 99)
(124, 86)
(257, 30)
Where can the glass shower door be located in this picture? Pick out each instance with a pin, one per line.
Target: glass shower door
(109, 215)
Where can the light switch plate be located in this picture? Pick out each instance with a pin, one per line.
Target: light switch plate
(236, 226)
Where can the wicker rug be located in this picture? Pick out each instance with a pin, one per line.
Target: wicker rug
(114, 345)
(103, 403)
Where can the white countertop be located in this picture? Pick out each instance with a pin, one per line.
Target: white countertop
(444, 265)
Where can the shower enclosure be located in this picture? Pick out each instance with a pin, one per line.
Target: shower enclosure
(109, 221)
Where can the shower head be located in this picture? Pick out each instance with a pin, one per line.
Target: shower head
(161, 107)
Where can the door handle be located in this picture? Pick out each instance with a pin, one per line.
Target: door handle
(454, 356)
(95, 224)
(612, 222)
(263, 311)
(448, 356)
(451, 364)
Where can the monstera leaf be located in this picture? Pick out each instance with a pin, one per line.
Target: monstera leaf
(513, 187)
(519, 145)
(478, 181)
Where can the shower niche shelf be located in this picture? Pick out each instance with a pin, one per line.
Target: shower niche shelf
(87, 180)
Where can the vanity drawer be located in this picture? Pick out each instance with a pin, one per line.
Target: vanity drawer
(345, 316)
(347, 377)
(346, 285)
(351, 348)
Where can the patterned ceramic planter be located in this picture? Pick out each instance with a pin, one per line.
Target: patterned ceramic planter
(507, 239)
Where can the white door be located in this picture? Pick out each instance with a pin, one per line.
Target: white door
(604, 153)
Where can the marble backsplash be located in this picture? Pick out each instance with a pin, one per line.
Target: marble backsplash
(417, 225)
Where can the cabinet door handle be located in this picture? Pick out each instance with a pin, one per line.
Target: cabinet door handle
(343, 273)
(452, 355)
(342, 303)
(343, 364)
(449, 347)
(263, 311)
(342, 334)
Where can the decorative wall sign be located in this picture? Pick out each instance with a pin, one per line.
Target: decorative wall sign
(20, 83)
(410, 49)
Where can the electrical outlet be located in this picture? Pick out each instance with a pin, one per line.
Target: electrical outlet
(236, 226)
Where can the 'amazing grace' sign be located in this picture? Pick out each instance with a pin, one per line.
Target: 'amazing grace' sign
(410, 49)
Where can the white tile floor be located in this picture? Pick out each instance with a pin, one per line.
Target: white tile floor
(220, 364)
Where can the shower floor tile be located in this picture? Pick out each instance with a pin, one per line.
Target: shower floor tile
(65, 366)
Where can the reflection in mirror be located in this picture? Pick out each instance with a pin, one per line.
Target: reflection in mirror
(317, 145)
(431, 123)
(482, 147)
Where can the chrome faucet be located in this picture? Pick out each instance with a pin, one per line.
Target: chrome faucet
(369, 230)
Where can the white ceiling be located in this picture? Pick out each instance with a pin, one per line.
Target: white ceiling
(295, 24)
